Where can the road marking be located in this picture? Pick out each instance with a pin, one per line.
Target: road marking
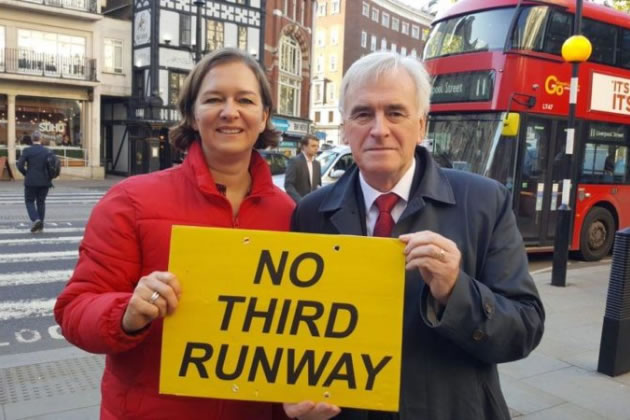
(42, 241)
(39, 256)
(34, 277)
(26, 308)
(13, 231)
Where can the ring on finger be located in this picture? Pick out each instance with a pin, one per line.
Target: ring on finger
(155, 296)
(442, 255)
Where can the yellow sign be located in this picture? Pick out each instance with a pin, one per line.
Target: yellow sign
(285, 317)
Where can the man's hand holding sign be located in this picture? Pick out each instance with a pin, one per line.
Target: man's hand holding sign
(277, 317)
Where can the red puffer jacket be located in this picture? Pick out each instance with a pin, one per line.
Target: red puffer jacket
(127, 237)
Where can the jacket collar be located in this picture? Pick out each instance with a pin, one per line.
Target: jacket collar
(195, 164)
(345, 196)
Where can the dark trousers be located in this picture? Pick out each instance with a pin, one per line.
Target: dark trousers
(33, 195)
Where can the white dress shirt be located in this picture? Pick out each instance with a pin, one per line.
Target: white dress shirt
(402, 189)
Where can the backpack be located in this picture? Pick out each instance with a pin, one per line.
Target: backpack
(53, 165)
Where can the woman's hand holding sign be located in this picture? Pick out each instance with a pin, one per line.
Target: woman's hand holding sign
(155, 296)
(438, 260)
(308, 410)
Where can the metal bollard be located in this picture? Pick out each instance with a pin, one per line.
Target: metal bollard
(614, 348)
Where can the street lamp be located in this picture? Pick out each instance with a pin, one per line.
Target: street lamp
(199, 4)
(575, 50)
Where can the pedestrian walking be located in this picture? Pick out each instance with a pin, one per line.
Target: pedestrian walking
(33, 165)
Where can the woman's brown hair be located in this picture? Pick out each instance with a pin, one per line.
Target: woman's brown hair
(183, 134)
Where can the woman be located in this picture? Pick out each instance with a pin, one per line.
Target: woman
(119, 292)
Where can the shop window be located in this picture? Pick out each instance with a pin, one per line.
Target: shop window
(175, 85)
(185, 29)
(290, 77)
(58, 120)
(112, 52)
(214, 35)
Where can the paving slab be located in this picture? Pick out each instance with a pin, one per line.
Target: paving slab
(89, 413)
(535, 364)
(526, 399)
(586, 389)
(56, 406)
(566, 411)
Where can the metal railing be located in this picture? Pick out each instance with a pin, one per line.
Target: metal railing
(24, 61)
(81, 5)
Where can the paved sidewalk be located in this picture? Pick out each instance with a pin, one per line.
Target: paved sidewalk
(64, 185)
(558, 381)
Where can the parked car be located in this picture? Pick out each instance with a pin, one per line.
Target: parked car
(278, 164)
(334, 163)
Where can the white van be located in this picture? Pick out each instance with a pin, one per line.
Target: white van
(334, 163)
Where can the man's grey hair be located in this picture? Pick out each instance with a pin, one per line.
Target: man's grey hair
(374, 65)
(36, 136)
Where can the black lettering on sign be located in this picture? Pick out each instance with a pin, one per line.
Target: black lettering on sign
(309, 320)
(267, 314)
(220, 369)
(227, 315)
(266, 261)
(344, 363)
(196, 360)
(260, 359)
(282, 322)
(308, 358)
(373, 371)
(352, 322)
(319, 269)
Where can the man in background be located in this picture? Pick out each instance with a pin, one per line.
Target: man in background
(32, 165)
(304, 171)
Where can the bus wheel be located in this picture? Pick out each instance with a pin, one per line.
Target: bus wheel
(597, 235)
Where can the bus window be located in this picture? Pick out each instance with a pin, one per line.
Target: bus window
(558, 30)
(527, 34)
(482, 31)
(604, 164)
(603, 37)
(624, 49)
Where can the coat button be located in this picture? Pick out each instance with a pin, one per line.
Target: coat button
(478, 335)
(489, 309)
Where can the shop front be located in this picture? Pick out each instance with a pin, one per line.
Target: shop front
(293, 130)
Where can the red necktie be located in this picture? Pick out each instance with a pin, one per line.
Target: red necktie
(385, 222)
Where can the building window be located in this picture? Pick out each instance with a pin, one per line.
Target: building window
(321, 8)
(290, 77)
(302, 12)
(112, 55)
(364, 39)
(318, 93)
(330, 92)
(333, 62)
(320, 64)
(405, 28)
(318, 116)
(334, 35)
(2, 46)
(373, 43)
(403, 50)
(415, 32)
(242, 38)
(331, 116)
(385, 20)
(393, 47)
(395, 24)
(374, 14)
(53, 118)
(294, 11)
(383, 44)
(335, 7)
(184, 29)
(175, 85)
(321, 37)
(51, 53)
(366, 9)
(215, 35)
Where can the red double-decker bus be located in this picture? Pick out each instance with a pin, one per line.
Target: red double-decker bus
(500, 103)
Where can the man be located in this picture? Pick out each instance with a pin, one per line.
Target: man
(470, 302)
(32, 165)
(303, 172)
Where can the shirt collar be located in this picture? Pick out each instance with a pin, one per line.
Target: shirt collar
(402, 189)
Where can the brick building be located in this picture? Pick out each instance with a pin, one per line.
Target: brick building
(288, 43)
(346, 30)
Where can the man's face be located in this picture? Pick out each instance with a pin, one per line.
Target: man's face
(382, 125)
(310, 150)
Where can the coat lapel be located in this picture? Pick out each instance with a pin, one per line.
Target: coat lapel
(342, 204)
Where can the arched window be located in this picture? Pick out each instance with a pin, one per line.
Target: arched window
(290, 80)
